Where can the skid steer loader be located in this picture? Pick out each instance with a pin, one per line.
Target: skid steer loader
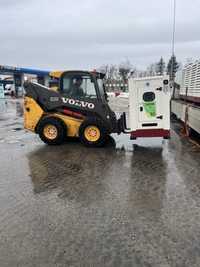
(78, 107)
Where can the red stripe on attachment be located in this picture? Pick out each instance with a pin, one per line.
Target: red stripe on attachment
(150, 133)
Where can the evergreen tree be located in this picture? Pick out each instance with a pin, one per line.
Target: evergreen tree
(172, 67)
(160, 67)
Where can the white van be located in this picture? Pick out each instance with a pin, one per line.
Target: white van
(1, 91)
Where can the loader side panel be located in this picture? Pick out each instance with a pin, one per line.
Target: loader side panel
(72, 124)
(32, 113)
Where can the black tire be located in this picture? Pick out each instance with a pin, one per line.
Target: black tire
(56, 123)
(191, 132)
(93, 122)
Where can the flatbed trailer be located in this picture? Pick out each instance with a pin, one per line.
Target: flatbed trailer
(188, 113)
(186, 105)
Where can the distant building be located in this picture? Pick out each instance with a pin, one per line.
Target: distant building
(116, 85)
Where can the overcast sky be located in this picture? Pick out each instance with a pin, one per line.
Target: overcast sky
(84, 34)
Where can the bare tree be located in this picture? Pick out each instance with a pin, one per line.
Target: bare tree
(118, 75)
(133, 73)
(124, 71)
(104, 69)
(112, 72)
(151, 70)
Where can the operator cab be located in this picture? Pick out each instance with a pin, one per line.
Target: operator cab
(80, 85)
(84, 92)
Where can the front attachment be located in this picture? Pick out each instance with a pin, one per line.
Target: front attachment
(121, 124)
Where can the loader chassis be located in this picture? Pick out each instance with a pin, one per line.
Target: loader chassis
(79, 108)
(35, 114)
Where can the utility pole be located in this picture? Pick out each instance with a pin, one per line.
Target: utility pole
(173, 39)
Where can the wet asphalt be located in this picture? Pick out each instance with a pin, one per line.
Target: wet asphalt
(127, 204)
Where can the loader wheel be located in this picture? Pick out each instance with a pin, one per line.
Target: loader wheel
(92, 133)
(52, 131)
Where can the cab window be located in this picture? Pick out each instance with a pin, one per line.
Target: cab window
(78, 86)
(101, 87)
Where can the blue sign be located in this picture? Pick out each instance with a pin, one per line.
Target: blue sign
(2, 91)
(16, 70)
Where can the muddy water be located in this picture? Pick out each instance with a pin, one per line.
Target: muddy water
(128, 204)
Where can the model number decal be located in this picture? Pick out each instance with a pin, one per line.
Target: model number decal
(78, 103)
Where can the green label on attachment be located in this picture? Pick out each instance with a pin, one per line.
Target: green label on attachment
(150, 108)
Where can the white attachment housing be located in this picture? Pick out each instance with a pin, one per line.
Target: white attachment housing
(149, 107)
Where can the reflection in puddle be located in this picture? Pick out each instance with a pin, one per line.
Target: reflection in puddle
(3, 105)
(104, 175)
(10, 107)
(19, 109)
(77, 172)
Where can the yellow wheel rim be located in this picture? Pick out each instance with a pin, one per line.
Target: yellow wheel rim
(92, 133)
(50, 131)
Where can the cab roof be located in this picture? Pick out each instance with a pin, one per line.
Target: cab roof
(58, 74)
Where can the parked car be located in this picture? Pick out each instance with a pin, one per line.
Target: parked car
(110, 94)
(1, 91)
(9, 89)
(123, 95)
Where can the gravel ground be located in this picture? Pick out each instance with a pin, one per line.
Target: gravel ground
(122, 205)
